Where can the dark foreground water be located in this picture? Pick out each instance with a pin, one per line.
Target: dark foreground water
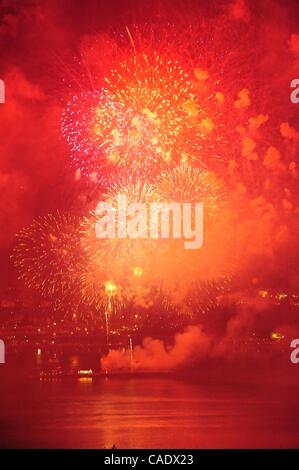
(142, 412)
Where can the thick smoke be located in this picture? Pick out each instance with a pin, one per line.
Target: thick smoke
(153, 355)
(246, 335)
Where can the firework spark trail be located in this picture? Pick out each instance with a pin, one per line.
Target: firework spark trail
(105, 295)
(95, 289)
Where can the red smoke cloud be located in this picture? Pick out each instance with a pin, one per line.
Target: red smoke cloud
(153, 355)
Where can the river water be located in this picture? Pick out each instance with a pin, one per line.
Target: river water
(147, 412)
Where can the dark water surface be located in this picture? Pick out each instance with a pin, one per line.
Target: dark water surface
(147, 412)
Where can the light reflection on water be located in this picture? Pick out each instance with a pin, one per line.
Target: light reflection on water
(147, 412)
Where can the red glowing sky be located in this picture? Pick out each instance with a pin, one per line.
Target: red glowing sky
(51, 49)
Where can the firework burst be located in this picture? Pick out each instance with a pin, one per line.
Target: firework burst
(146, 119)
(187, 184)
(120, 258)
(193, 278)
(81, 128)
(48, 255)
(98, 291)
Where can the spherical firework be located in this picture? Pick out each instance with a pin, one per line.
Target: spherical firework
(188, 274)
(98, 291)
(121, 257)
(48, 254)
(164, 111)
(187, 184)
(147, 118)
(200, 297)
